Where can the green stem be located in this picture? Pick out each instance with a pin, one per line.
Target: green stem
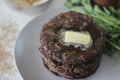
(114, 45)
(104, 19)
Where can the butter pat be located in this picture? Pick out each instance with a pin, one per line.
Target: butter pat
(77, 37)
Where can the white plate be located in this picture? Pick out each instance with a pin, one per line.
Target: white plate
(28, 57)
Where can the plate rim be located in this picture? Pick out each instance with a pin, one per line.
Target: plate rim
(24, 28)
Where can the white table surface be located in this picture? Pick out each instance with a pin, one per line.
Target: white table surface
(21, 19)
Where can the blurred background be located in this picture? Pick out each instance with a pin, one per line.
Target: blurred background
(14, 15)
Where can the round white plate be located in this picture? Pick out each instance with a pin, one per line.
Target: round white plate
(28, 57)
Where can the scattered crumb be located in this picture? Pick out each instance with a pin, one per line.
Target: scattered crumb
(8, 33)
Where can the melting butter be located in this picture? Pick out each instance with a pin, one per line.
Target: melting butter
(77, 39)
